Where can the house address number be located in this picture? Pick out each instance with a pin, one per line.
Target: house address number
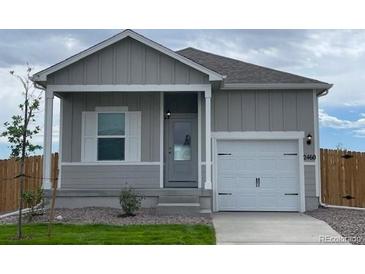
(310, 157)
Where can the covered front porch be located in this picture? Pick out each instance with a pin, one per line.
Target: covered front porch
(164, 160)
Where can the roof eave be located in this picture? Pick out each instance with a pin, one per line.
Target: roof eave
(253, 86)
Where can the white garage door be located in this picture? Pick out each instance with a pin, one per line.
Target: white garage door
(258, 175)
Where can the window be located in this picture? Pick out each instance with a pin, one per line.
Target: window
(111, 137)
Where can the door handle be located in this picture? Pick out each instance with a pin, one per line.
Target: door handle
(259, 180)
(170, 150)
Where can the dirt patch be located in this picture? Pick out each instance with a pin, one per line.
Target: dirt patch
(98, 215)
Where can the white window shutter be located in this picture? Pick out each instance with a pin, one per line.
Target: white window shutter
(133, 136)
(88, 141)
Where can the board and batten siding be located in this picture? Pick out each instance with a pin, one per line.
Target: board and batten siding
(127, 62)
(110, 177)
(262, 110)
(75, 103)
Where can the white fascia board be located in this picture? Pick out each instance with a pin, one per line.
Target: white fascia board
(128, 88)
(42, 75)
(240, 86)
(258, 135)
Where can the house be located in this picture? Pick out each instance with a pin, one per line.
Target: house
(188, 129)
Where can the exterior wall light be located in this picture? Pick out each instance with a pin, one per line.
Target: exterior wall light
(309, 139)
(168, 114)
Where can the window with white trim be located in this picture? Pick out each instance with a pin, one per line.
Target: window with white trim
(111, 136)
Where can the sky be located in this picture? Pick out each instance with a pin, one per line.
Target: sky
(333, 56)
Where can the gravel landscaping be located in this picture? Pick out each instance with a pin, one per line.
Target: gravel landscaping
(97, 215)
(349, 223)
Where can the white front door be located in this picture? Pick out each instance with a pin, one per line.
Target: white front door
(258, 175)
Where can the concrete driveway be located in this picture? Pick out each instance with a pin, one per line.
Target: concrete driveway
(272, 228)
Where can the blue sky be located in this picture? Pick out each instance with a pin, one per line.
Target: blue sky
(333, 56)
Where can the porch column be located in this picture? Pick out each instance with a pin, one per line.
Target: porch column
(208, 147)
(47, 143)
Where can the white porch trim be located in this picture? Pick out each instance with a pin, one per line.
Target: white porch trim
(110, 163)
(199, 140)
(60, 146)
(47, 143)
(208, 147)
(129, 88)
(317, 148)
(162, 139)
(260, 135)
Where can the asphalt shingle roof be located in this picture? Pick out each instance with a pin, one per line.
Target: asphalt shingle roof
(238, 71)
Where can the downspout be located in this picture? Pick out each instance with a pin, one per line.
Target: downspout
(321, 203)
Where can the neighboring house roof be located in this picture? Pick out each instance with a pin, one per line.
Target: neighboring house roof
(42, 75)
(239, 72)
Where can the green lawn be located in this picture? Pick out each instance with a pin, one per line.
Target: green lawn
(108, 234)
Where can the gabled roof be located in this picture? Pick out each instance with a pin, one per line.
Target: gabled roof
(42, 75)
(239, 72)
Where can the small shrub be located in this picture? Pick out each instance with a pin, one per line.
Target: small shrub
(129, 201)
(32, 199)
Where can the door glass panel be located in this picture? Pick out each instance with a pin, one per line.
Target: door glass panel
(182, 141)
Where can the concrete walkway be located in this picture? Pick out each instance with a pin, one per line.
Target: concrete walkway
(272, 228)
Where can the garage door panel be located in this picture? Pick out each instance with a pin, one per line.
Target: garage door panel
(227, 164)
(287, 165)
(226, 202)
(266, 200)
(268, 184)
(245, 183)
(289, 184)
(267, 160)
(245, 202)
(266, 164)
(229, 183)
(290, 202)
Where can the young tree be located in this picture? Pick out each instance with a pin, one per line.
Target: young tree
(20, 131)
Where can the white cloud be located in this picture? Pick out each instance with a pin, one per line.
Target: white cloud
(357, 127)
(11, 96)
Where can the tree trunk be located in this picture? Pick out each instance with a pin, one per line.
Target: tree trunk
(21, 190)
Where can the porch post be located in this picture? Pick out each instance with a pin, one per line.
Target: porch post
(47, 143)
(208, 153)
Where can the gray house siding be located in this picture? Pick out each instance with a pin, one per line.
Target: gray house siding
(110, 177)
(311, 201)
(104, 176)
(74, 104)
(127, 62)
(262, 110)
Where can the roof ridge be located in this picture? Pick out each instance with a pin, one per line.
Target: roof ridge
(247, 63)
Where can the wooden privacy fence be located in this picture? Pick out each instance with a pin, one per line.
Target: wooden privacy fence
(343, 178)
(9, 185)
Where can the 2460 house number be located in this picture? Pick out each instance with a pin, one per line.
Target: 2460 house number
(310, 157)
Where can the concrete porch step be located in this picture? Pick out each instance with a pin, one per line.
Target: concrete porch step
(187, 205)
(178, 199)
(187, 209)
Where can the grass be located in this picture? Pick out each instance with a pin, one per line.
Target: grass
(69, 234)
